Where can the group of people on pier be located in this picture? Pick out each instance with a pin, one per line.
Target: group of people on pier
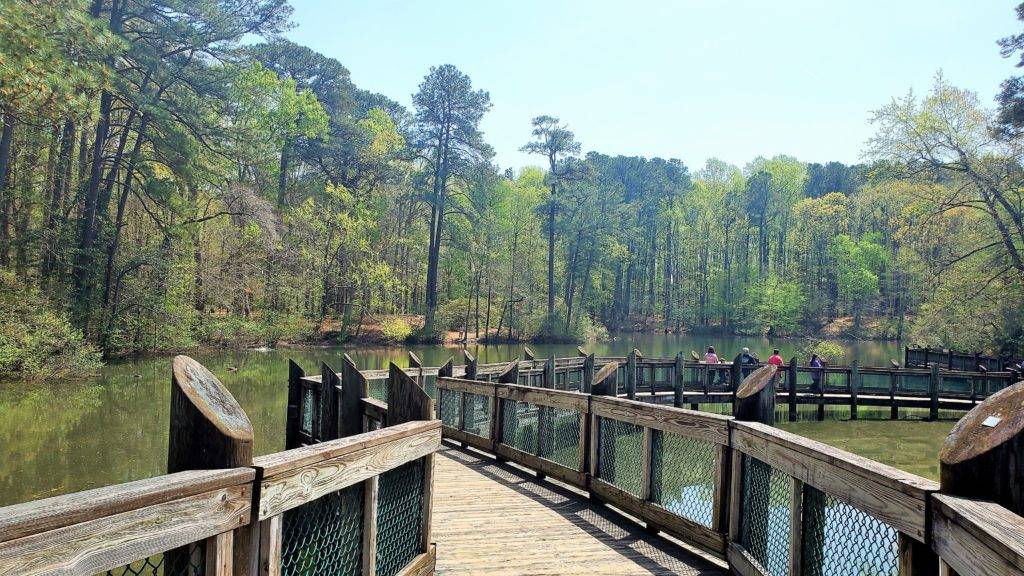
(749, 362)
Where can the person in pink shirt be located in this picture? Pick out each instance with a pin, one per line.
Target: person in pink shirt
(711, 357)
(775, 358)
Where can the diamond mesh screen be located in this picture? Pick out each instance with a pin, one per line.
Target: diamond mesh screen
(399, 517)
(764, 520)
(378, 388)
(560, 436)
(519, 425)
(189, 561)
(308, 405)
(683, 476)
(477, 415)
(619, 454)
(449, 406)
(324, 537)
(840, 539)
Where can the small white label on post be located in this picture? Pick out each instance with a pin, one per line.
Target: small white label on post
(992, 421)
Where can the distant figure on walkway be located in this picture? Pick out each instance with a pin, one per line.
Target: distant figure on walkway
(775, 359)
(749, 361)
(710, 357)
(816, 374)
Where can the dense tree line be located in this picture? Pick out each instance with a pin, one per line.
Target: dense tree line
(166, 181)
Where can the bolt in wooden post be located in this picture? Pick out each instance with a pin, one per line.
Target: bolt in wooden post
(209, 431)
(755, 400)
(983, 456)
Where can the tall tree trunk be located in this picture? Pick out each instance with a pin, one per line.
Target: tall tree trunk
(551, 254)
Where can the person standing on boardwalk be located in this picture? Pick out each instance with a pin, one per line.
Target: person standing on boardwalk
(776, 360)
(749, 362)
(816, 374)
(710, 357)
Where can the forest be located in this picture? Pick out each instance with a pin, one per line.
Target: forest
(176, 173)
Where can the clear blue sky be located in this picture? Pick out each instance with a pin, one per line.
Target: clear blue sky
(689, 80)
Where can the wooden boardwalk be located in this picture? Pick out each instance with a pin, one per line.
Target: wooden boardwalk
(497, 519)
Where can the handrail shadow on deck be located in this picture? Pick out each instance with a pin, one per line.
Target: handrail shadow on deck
(652, 552)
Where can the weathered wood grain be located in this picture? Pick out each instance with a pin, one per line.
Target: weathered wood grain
(105, 543)
(219, 554)
(534, 462)
(375, 409)
(742, 563)
(51, 513)
(543, 397)
(270, 546)
(280, 462)
(422, 565)
(285, 490)
(407, 400)
(699, 425)
(892, 496)
(977, 538)
(459, 385)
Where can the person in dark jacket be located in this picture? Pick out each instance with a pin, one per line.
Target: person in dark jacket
(816, 374)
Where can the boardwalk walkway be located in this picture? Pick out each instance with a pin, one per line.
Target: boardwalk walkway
(497, 519)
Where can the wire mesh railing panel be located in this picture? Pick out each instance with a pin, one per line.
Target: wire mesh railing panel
(620, 458)
(683, 476)
(872, 381)
(399, 517)
(764, 517)
(914, 382)
(476, 417)
(560, 436)
(449, 406)
(324, 537)
(430, 385)
(839, 539)
(188, 561)
(378, 388)
(956, 384)
(519, 425)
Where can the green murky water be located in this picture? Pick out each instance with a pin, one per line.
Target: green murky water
(63, 436)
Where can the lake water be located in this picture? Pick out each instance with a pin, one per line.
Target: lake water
(63, 436)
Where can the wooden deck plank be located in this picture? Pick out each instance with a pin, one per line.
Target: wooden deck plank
(496, 519)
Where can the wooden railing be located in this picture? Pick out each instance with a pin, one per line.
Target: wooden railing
(772, 503)
(354, 505)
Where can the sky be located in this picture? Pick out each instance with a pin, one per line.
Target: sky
(730, 79)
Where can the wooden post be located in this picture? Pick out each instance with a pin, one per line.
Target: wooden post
(329, 421)
(417, 365)
(291, 433)
(677, 381)
(894, 380)
(447, 369)
(631, 375)
(353, 389)
(854, 388)
(510, 375)
(549, 373)
(755, 400)
(587, 385)
(792, 389)
(408, 402)
(208, 431)
(933, 392)
(471, 365)
(796, 527)
(546, 416)
(736, 374)
(983, 456)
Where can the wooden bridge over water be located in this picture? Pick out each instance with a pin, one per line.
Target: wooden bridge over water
(532, 480)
